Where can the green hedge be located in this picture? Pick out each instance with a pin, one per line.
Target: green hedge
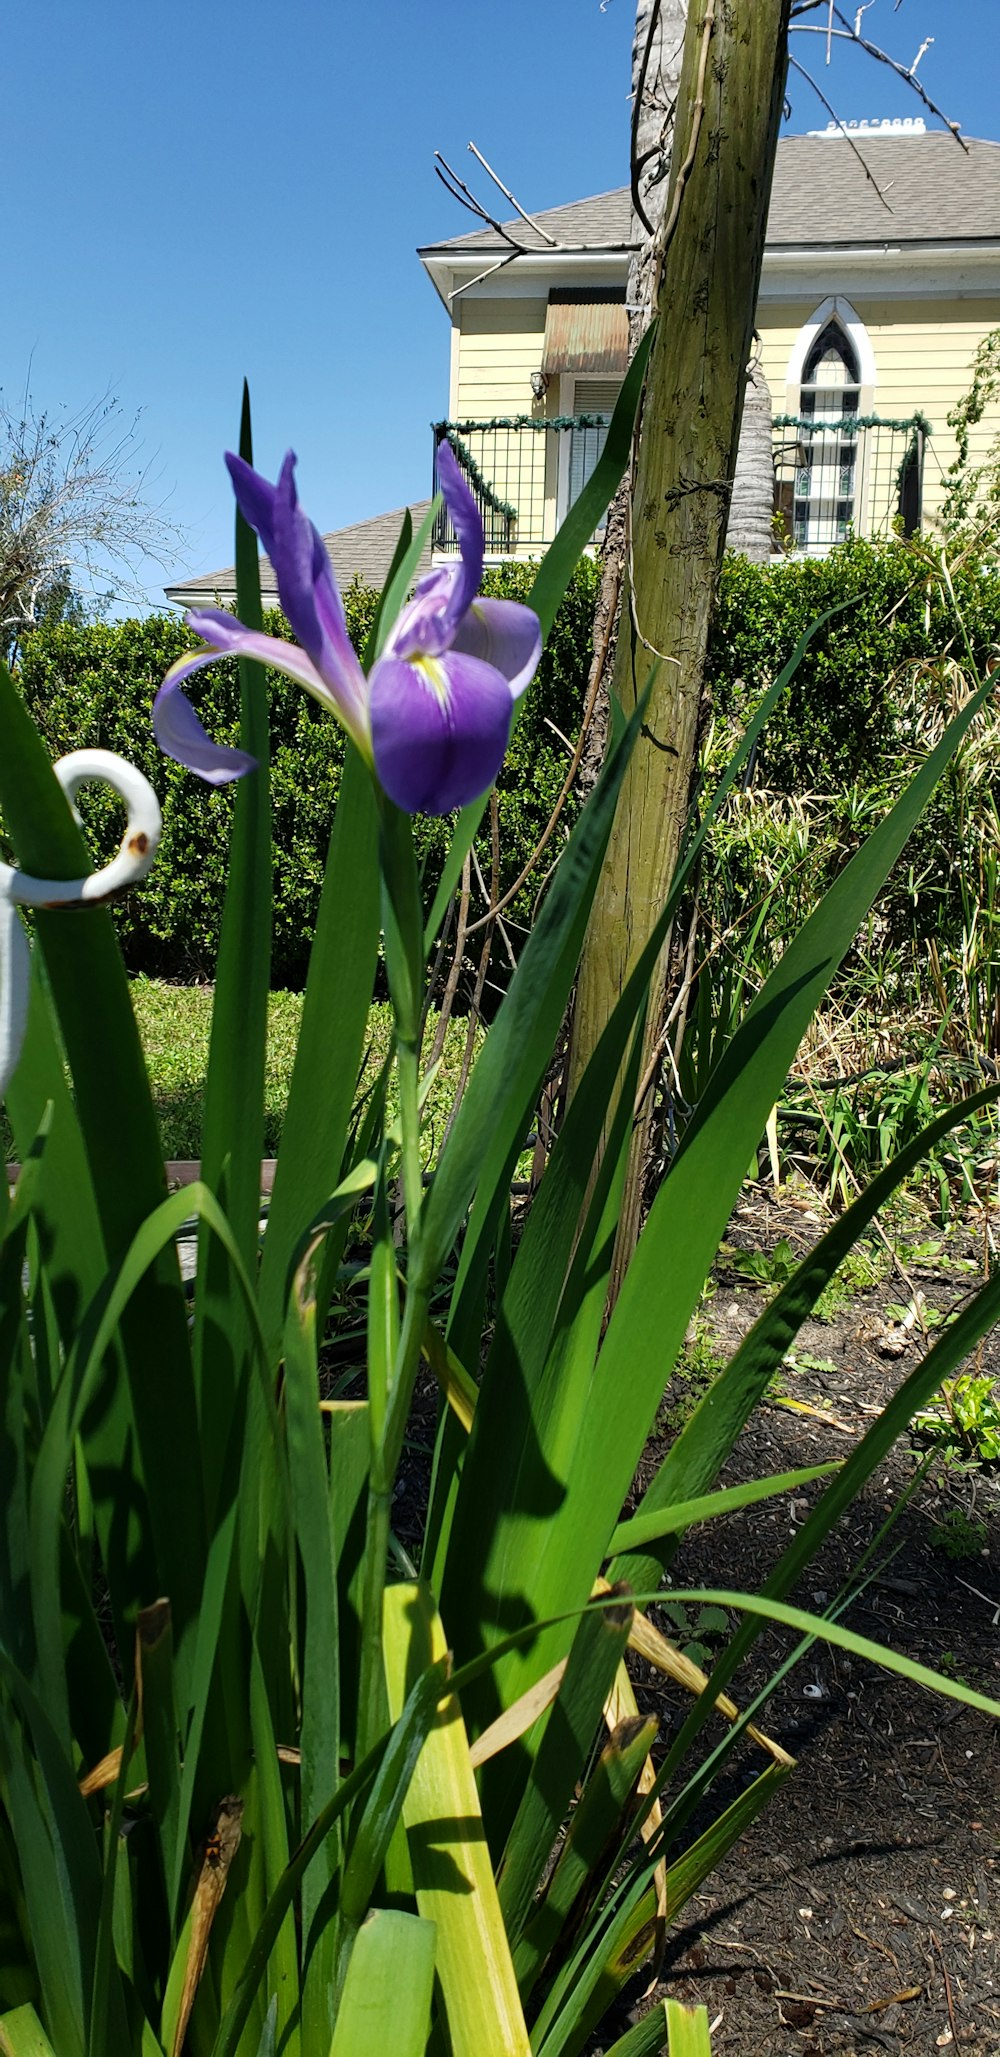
(845, 714)
(845, 720)
(93, 687)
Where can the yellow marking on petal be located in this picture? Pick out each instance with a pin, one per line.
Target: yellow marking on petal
(433, 674)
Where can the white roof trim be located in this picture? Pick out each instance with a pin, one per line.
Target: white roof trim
(835, 308)
(524, 275)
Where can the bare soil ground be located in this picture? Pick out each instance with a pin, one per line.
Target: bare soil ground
(862, 1911)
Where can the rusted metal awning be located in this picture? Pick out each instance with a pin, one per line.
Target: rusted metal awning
(585, 332)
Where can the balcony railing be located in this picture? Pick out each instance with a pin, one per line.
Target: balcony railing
(862, 474)
(524, 474)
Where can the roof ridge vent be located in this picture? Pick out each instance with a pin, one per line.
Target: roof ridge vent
(878, 125)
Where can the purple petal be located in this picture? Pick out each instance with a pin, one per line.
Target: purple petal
(426, 626)
(506, 635)
(229, 638)
(254, 497)
(439, 730)
(467, 524)
(180, 735)
(306, 584)
(430, 623)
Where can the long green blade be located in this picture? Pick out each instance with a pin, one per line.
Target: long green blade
(320, 1733)
(767, 1607)
(654, 1522)
(233, 1117)
(353, 1788)
(21, 2035)
(573, 1720)
(683, 2031)
(331, 1037)
(597, 1827)
(452, 1872)
(386, 2003)
(537, 1379)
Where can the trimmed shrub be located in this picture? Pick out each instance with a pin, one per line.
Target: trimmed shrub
(845, 713)
(846, 721)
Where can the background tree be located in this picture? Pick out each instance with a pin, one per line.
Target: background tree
(75, 515)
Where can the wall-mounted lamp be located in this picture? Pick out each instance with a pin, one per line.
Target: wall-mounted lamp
(539, 383)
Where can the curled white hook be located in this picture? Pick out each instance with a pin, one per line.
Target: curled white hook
(20, 889)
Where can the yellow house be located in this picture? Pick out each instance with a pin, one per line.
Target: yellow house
(881, 276)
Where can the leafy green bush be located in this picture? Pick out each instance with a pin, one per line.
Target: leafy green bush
(93, 686)
(843, 713)
(843, 729)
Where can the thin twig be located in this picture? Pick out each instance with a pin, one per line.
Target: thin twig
(550, 827)
(485, 890)
(508, 195)
(831, 110)
(947, 1989)
(847, 34)
(475, 1015)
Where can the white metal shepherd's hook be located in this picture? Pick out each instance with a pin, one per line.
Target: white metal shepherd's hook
(19, 889)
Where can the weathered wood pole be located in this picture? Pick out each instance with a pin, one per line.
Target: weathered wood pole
(725, 136)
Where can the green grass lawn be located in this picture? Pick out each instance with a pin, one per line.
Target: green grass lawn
(174, 1023)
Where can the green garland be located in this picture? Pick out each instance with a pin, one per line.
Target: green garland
(522, 421)
(472, 472)
(848, 423)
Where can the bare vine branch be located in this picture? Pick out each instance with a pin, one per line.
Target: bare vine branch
(636, 166)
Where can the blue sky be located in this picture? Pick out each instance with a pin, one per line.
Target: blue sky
(206, 190)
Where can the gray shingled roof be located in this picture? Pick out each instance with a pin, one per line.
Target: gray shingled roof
(363, 551)
(602, 220)
(934, 191)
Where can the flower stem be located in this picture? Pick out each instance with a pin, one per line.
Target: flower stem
(408, 1076)
(385, 1460)
(404, 955)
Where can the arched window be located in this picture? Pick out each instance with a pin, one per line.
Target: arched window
(827, 457)
(831, 380)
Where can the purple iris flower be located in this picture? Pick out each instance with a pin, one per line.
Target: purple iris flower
(434, 718)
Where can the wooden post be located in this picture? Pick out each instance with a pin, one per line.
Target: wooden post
(711, 244)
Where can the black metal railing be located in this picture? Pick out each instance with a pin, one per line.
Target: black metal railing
(862, 474)
(524, 474)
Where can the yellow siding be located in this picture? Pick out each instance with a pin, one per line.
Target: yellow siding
(500, 345)
(923, 354)
(923, 357)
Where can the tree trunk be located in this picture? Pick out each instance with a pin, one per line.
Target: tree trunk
(751, 515)
(705, 286)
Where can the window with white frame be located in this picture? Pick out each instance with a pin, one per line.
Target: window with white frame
(595, 399)
(826, 477)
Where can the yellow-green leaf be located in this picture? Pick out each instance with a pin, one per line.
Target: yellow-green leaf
(452, 1871)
